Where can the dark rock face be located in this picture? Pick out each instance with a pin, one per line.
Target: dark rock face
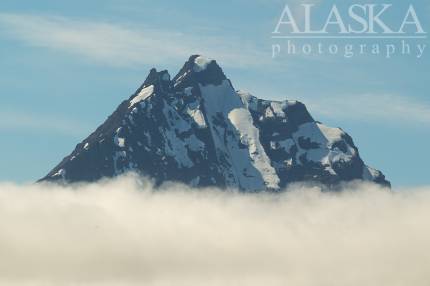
(196, 129)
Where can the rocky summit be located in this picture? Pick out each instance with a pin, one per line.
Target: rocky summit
(198, 130)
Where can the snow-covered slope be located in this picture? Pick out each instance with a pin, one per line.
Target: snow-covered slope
(198, 130)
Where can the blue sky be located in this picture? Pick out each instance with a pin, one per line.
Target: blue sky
(66, 65)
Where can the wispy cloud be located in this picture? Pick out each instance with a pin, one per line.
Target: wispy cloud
(17, 120)
(394, 108)
(122, 45)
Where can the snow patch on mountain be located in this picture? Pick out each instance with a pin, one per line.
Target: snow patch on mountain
(250, 101)
(316, 142)
(201, 63)
(118, 140)
(142, 95)
(198, 117)
(332, 135)
(253, 169)
(278, 108)
(250, 136)
(219, 102)
(60, 174)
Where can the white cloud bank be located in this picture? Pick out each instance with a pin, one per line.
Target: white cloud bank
(121, 233)
(122, 45)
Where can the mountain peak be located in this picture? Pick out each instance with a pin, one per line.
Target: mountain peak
(196, 129)
(159, 80)
(199, 70)
(155, 77)
(201, 63)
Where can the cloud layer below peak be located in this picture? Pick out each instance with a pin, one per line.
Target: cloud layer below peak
(120, 232)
